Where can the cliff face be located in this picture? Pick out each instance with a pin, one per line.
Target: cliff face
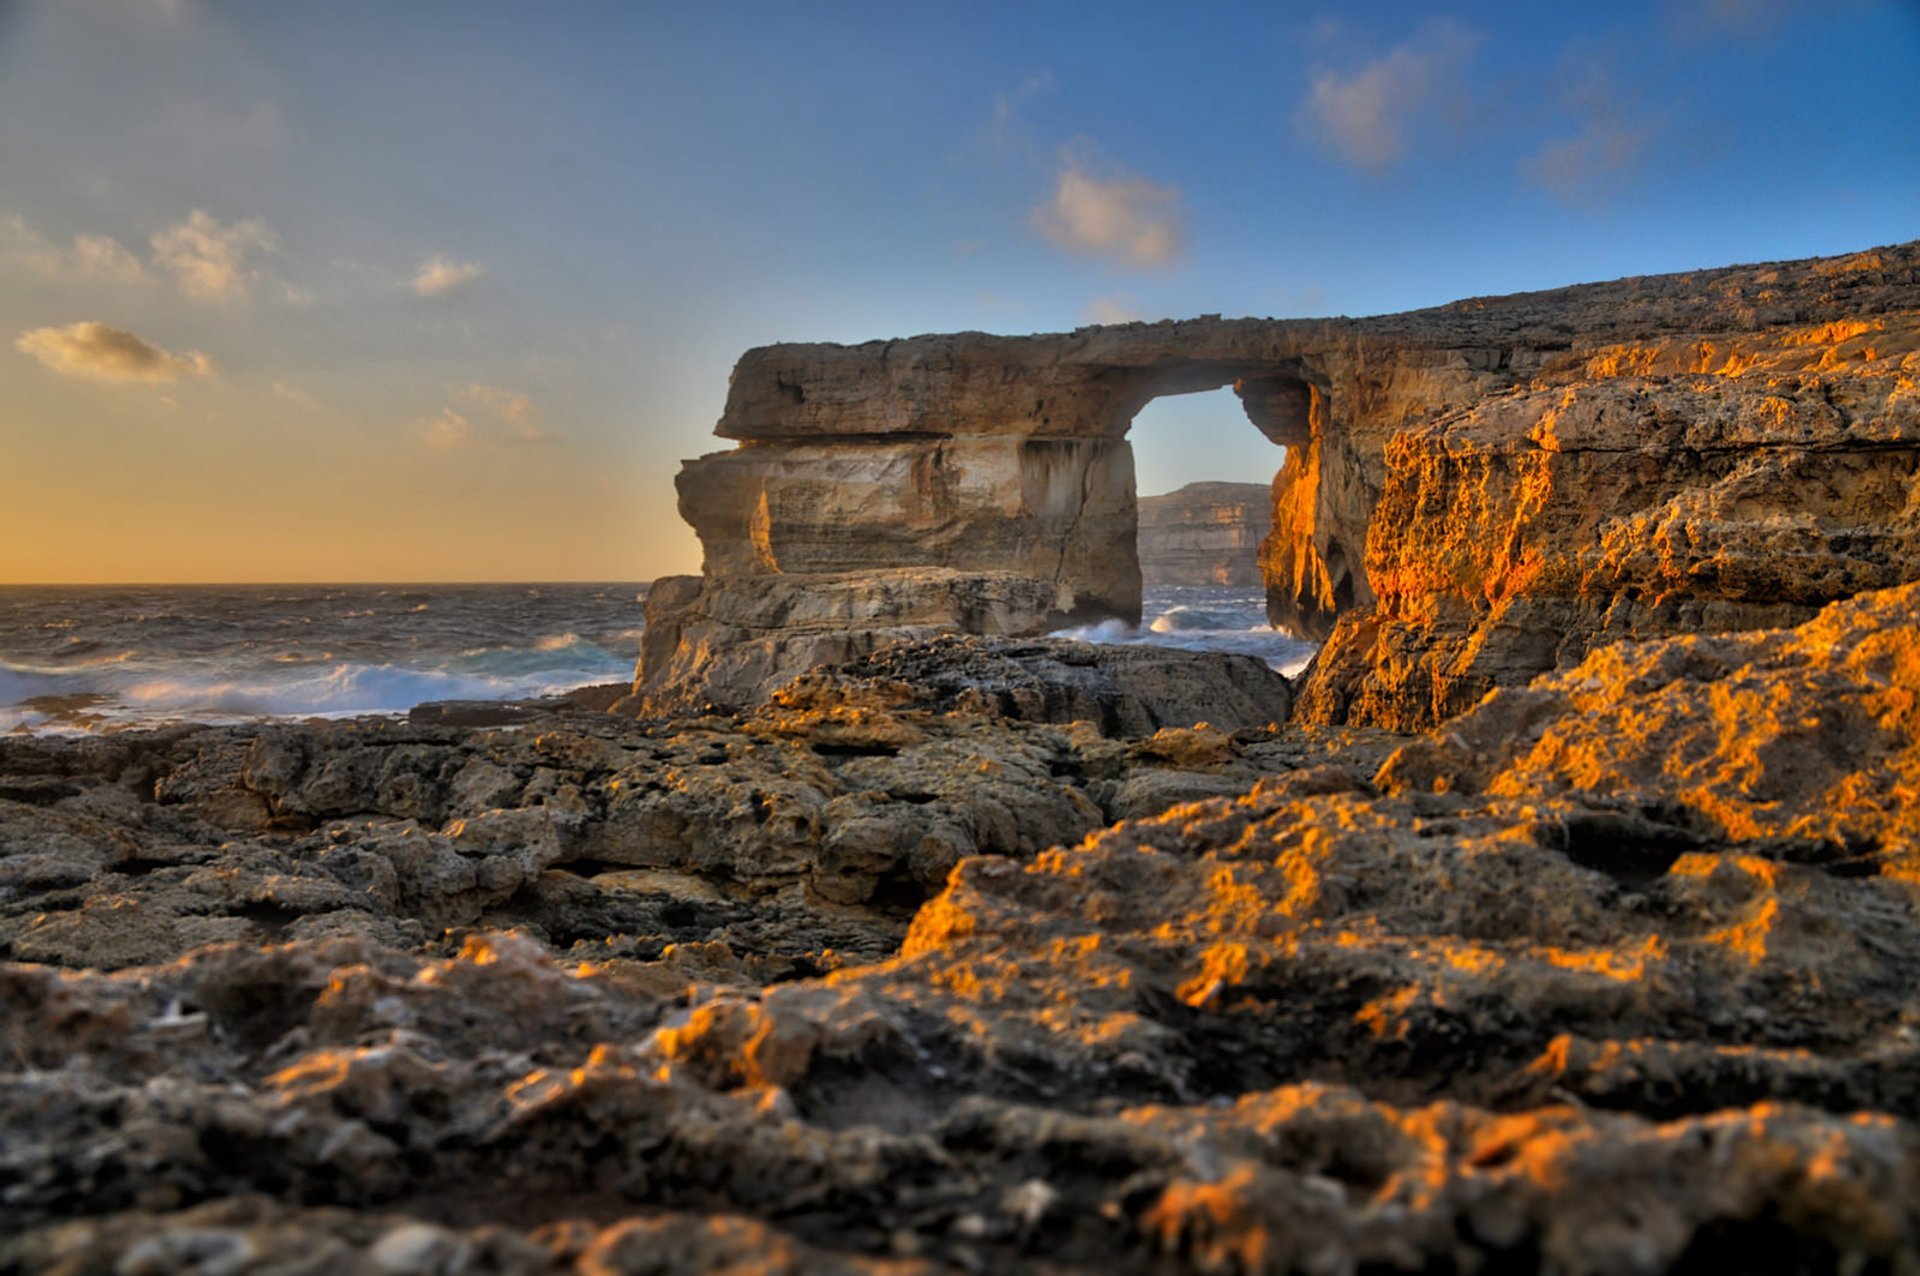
(1472, 493)
(1678, 484)
(1205, 534)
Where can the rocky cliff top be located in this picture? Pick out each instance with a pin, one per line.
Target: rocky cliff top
(796, 388)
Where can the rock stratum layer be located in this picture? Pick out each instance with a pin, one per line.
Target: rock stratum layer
(1205, 534)
(1471, 494)
(1613, 974)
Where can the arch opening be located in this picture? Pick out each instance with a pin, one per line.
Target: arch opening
(1203, 484)
(1200, 490)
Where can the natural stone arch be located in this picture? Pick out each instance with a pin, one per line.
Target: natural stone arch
(1434, 510)
(976, 483)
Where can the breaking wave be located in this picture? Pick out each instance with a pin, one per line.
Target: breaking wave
(1204, 618)
(106, 659)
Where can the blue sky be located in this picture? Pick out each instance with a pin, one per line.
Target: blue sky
(447, 290)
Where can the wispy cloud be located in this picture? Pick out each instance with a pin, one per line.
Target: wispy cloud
(1749, 19)
(1363, 115)
(479, 414)
(1110, 310)
(515, 411)
(1004, 136)
(295, 395)
(209, 259)
(1609, 136)
(447, 430)
(1118, 216)
(99, 353)
(440, 275)
(86, 257)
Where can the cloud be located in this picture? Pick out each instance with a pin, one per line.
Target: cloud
(88, 257)
(295, 395)
(1363, 116)
(1753, 19)
(1124, 218)
(448, 430)
(1110, 310)
(1005, 136)
(440, 275)
(515, 411)
(208, 260)
(1584, 167)
(99, 353)
(1608, 139)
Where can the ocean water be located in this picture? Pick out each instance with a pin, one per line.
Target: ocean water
(105, 658)
(1205, 618)
(82, 658)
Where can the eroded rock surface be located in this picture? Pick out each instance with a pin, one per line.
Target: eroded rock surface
(1614, 974)
(1677, 485)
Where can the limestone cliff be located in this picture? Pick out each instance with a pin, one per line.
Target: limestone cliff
(1205, 534)
(1509, 479)
(1677, 484)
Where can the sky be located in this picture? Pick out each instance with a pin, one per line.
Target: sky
(364, 291)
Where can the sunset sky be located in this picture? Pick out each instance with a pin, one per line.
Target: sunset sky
(446, 291)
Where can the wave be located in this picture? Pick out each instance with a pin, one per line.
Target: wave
(1281, 652)
(203, 691)
(350, 688)
(1183, 619)
(20, 683)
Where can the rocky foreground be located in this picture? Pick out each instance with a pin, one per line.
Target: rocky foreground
(966, 957)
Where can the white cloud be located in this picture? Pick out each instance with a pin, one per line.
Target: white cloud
(88, 257)
(1584, 167)
(1005, 136)
(1124, 217)
(440, 275)
(448, 430)
(295, 395)
(99, 353)
(104, 257)
(1363, 116)
(1608, 138)
(1110, 310)
(208, 260)
(511, 409)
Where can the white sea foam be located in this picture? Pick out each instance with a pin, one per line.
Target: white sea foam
(24, 682)
(108, 658)
(1199, 619)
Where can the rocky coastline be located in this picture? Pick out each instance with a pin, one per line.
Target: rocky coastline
(1561, 916)
(919, 967)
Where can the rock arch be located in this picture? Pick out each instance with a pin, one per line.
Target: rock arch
(985, 484)
(1435, 517)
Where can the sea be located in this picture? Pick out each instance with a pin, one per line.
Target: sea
(88, 659)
